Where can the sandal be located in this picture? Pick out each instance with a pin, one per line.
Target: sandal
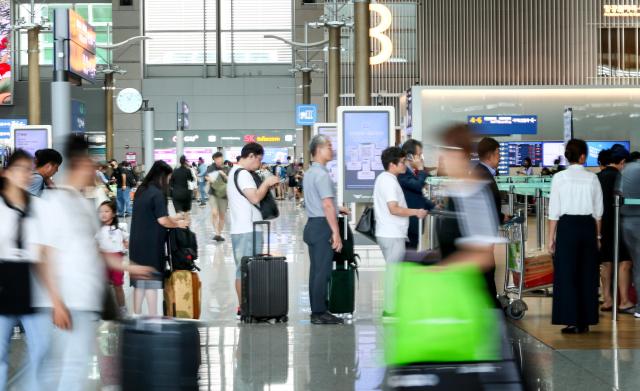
(606, 309)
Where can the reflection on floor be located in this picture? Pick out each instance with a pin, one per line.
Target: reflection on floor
(300, 356)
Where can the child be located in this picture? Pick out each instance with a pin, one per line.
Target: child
(113, 240)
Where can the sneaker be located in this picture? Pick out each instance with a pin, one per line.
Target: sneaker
(636, 315)
(218, 238)
(325, 318)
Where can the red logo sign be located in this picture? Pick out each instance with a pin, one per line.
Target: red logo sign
(249, 138)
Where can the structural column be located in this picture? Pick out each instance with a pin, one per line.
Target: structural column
(306, 130)
(334, 73)
(148, 127)
(362, 69)
(108, 102)
(34, 76)
(60, 99)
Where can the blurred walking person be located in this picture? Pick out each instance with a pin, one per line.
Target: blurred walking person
(575, 212)
(148, 237)
(47, 163)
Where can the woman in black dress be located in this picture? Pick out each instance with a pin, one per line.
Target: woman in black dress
(149, 233)
(180, 192)
(613, 161)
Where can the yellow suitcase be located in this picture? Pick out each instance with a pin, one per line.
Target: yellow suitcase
(182, 295)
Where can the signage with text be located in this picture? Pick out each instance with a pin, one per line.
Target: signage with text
(502, 125)
(306, 115)
(6, 124)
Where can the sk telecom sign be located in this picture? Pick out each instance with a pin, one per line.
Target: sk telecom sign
(252, 138)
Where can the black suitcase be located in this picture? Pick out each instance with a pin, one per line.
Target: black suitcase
(159, 354)
(265, 287)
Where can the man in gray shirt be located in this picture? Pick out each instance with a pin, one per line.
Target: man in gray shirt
(629, 187)
(321, 234)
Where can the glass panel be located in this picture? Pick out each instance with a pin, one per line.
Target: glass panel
(185, 15)
(252, 47)
(211, 47)
(175, 48)
(101, 13)
(257, 14)
(83, 10)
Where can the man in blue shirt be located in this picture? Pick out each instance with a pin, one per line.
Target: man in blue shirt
(412, 183)
(47, 163)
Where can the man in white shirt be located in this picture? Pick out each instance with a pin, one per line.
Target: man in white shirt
(76, 271)
(243, 195)
(392, 217)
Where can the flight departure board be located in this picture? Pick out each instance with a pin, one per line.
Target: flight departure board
(512, 154)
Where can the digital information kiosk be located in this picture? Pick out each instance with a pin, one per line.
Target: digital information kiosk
(330, 130)
(31, 137)
(363, 133)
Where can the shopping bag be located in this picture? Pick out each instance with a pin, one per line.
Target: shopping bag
(444, 314)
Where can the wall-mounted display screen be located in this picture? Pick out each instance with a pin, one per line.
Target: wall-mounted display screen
(332, 133)
(596, 146)
(273, 155)
(6, 124)
(81, 32)
(31, 140)
(191, 153)
(518, 151)
(6, 66)
(503, 125)
(366, 135)
(82, 62)
(552, 150)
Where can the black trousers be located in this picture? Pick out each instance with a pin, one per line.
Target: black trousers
(317, 236)
(576, 272)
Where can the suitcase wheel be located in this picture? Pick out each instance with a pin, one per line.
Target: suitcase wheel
(282, 319)
(516, 309)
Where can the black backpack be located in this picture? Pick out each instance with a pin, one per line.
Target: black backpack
(131, 178)
(183, 248)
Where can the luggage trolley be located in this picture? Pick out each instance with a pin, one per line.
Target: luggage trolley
(522, 274)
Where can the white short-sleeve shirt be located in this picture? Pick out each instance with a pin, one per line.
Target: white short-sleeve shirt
(575, 191)
(242, 212)
(387, 189)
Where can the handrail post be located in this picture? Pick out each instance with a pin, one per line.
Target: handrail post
(616, 253)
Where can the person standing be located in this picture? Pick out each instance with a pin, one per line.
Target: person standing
(47, 163)
(123, 194)
(527, 167)
(291, 177)
(179, 185)
(202, 183)
(613, 161)
(321, 233)
(392, 218)
(489, 154)
(78, 270)
(629, 187)
(412, 182)
(148, 236)
(244, 195)
(218, 194)
(575, 212)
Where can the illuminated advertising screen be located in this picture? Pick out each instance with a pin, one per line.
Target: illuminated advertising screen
(366, 135)
(81, 32)
(552, 150)
(191, 153)
(231, 154)
(503, 125)
(6, 124)
(6, 74)
(332, 133)
(273, 155)
(594, 148)
(82, 62)
(31, 140)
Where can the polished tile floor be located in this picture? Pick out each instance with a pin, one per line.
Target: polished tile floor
(301, 356)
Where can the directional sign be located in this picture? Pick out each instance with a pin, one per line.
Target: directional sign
(503, 124)
(306, 115)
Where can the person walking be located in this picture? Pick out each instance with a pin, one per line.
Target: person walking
(244, 195)
(202, 183)
(613, 162)
(575, 212)
(77, 271)
(392, 218)
(412, 182)
(179, 185)
(217, 177)
(47, 163)
(321, 233)
(19, 259)
(629, 187)
(123, 194)
(148, 238)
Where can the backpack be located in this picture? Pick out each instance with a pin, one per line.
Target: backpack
(268, 207)
(183, 248)
(131, 178)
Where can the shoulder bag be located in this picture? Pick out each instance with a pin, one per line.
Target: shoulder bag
(268, 207)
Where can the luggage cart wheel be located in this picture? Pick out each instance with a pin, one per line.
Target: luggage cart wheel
(283, 319)
(516, 309)
(504, 301)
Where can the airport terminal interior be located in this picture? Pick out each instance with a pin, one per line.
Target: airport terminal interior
(481, 157)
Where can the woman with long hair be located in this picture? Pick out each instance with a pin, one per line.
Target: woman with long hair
(149, 233)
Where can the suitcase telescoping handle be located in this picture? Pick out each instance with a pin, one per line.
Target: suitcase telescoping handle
(420, 234)
(345, 220)
(255, 237)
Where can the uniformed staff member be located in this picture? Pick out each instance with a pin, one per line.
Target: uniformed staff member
(575, 212)
(321, 234)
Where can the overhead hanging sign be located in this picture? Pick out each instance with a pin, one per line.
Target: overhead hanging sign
(378, 33)
(306, 115)
(621, 10)
(502, 125)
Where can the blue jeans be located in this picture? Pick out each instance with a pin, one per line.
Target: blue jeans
(243, 247)
(123, 200)
(37, 329)
(202, 187)
(67, 367)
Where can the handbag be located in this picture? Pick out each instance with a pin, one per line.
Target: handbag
(367, 223)
(268, 207)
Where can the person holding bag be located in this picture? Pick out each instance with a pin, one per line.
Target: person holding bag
(217, 176)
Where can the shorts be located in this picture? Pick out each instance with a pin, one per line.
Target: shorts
(218, 203)
(116, 277)
(147, 284)
(243, 247)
